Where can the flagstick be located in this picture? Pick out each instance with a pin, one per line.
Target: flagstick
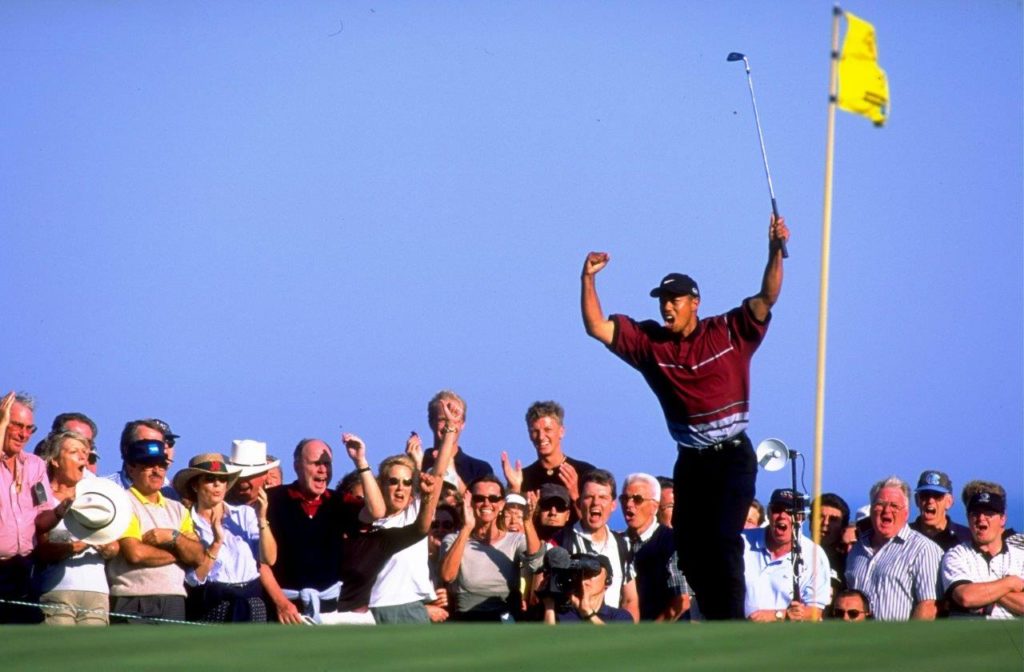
(826, 241)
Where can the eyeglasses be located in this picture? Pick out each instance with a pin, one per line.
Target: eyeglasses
(852, 613)
(556, 504)
(882, 506)
(779, 508)
(165, 464)
(28, 429)
(407, 482)
(442, 525)
(214, 478)
(493, 499)
(636, 499)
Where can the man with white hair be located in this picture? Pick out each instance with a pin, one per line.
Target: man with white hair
(896, 567)
(661, 587)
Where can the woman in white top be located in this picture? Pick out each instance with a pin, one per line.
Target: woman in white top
(225, 587)
(71, 576)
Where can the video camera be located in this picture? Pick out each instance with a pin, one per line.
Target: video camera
(564, 573)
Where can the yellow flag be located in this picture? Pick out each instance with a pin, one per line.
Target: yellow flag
(863, 87)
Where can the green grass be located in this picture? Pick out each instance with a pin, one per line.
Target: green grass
(831, 646)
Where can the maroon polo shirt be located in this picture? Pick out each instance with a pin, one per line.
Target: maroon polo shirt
(702, 381)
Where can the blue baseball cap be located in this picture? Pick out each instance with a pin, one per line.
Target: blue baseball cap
(146, 451)
(934, 481)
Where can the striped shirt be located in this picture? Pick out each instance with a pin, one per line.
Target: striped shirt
(897, 576)
(702, 381)
(965, 564)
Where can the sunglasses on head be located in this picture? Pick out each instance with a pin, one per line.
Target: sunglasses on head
(556, 504)
(493, 499)
(407, 482)
(636, 499)
(852, 613)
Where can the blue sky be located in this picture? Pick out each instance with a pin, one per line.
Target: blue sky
(266, 220)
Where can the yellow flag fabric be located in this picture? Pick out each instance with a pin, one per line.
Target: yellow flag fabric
(863, 87)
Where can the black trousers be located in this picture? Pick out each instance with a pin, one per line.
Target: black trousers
(713, 491)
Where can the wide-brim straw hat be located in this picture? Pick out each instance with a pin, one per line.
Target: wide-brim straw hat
(212, 464)
(100, 513)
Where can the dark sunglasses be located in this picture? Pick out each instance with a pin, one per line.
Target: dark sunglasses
(493, 499)
(213, 478)
(852, 613)
(442, 525)
(407, 482)
(556, 504)
(636, 499)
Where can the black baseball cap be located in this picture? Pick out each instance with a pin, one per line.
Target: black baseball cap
(986, 501)
(785, 497)
(677, 284)
(549, 491)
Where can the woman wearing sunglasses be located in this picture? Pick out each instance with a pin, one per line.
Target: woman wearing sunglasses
(225, 587)
(482, 562)
(403, 587)
(369, 549)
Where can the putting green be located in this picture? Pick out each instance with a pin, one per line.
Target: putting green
(945, 645)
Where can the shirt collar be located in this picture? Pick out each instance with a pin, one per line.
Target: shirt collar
(648, 533)
(160, 499)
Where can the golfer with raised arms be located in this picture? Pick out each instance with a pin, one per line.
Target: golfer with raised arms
(700, 371)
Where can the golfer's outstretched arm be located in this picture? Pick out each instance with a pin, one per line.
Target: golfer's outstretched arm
(771, 284)
(594, 321)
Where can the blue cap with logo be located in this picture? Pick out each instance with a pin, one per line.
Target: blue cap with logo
(934, 481)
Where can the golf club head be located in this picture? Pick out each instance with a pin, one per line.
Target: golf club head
(735, 56)
(772, 454)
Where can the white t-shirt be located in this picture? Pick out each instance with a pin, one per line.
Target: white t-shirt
(406, 576)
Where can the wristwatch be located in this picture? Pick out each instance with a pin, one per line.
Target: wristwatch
(780, 615)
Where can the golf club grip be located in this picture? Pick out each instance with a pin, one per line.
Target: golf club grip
(782, 243)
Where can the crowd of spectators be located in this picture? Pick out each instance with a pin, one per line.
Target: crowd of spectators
(435, 535)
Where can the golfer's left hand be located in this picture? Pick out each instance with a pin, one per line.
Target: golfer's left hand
(777, 231)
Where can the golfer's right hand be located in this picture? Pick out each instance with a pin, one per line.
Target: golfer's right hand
(595, 262)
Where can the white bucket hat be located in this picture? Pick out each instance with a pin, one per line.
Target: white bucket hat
(100, 513)
(250, 458)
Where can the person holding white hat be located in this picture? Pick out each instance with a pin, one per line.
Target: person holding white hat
(249, 459)
(225, 587)
(71, 577)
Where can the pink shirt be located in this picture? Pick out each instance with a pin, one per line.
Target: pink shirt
(17, 511)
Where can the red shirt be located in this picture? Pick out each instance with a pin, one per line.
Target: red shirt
(702, 381)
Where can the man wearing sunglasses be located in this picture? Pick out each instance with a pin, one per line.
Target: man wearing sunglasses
(149, 429)
(661, 587)
(553, 510)
(147, 577)
(699, 369)
(768, 568)
(984, 577)
(851, 605)
(895, 566)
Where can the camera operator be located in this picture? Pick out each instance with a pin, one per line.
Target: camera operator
(574, 588)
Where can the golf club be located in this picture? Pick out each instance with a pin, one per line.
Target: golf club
(736, 56)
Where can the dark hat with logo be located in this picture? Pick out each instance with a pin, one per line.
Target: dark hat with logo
(784, 496)
(986, 501)
(677, 284)
(934, 481)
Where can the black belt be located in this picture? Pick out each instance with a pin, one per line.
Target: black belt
(734, 442)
